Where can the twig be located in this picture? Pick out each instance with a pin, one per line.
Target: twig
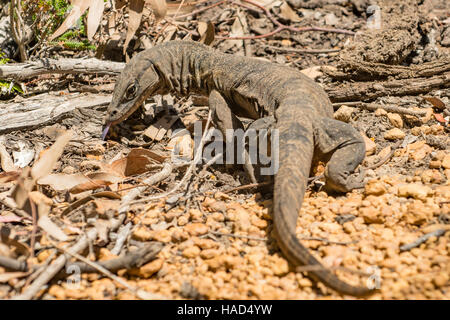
(387, 157)
(344, 243)
(59, 263)
(248, 186)
(302, 51)
(122, 235)
(308, 268)
(280, 26)
(189, 170)
(422, 239)
(388, 108)
(133, 259)
(233, 235)
(13, 264)
(133, 194)
(139, 293)
(17, 27)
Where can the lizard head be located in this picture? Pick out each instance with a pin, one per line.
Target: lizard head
(138, 80)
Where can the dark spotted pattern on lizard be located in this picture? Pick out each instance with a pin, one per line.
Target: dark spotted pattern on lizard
(252, 88)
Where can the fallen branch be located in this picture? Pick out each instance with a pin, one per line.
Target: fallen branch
(189, 170)
(59, 263)
(387, 157)
(133, 259)
(44, 109)
(375, 107)
(280, 26)
(21, 71)
(422, 239)
(302, 51)
(357, 91)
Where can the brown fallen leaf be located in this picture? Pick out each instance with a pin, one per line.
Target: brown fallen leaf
(78, 8)
(90, 185)
(6, 162)
(9, 176)
(79, 181)
(159, 8)
(94, 18)
(136, 162)
(27, 180)
(206, 31)
(134, 20)
(436, 102)
(9, 217)
(48, 159)
(46, 224)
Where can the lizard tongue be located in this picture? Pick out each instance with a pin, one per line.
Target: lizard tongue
(105, 130)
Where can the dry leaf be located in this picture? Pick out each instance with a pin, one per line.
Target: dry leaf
(437, 103)
(94, 17)
(47, 161)
(51, 228)
(9, 217)
(206, 31)
(6, 162)
(78, 8)
(103, 205)
(288, 13)
(9, 176)
(61, 181)
(136, 162)
(134, 20)
(159, 8)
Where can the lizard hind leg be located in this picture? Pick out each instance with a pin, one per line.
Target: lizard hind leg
(347, 149)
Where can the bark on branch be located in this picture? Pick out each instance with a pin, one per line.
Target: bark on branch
(22, 71)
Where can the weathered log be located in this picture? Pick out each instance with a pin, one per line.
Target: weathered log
(366, 91)
(44, 109)
(21, 71)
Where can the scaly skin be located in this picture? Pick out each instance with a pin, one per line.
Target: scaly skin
(255, 89)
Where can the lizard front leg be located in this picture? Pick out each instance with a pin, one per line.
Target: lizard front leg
(348, 150)
(267, 124)
(224, 118)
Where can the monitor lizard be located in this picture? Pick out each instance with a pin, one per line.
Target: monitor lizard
(256, 89)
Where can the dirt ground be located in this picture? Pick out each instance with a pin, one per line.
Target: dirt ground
(212, 239)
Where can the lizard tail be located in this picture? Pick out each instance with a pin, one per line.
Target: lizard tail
(296, 147)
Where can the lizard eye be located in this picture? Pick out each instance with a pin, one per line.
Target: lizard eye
(130, 93)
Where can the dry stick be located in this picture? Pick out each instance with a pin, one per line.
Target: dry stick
(13, 264)
(233, 235)
(281, 27)
(133, 194)
(133, 259)
(388, 108)
(387, 157)
(307, 268)
(139, 293)
(17, 27)
(189, 170)
(305, 51)
(59, 263)
(422, 239)
(248, 186)
(122, 235)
